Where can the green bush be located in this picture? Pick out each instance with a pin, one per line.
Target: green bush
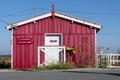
(81, 66)
(103, 63)
(59, 65)
(4, 65)
(106, 62)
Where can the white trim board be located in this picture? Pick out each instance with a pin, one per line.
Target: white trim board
(74, 19)
(50, 47)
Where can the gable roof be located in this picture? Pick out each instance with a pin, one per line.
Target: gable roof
(58, 14)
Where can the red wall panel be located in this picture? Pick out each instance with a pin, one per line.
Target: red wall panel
(76, 35)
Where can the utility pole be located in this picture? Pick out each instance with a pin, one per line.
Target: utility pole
(35, 9)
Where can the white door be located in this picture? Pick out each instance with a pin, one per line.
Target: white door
(52, 54)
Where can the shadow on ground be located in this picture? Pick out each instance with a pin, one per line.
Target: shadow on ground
(94, 72)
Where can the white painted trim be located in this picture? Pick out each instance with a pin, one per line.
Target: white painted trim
(54, 34)
(96, 58)
(12, 49)
(115, 60)
(114, 66)
(64, 55)
(112, 54)
(110, 60)
(38, 57)
(56, 14)
(28, 20)
(79, 20)
(48, 47)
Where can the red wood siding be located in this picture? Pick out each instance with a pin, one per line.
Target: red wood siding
(76, 35)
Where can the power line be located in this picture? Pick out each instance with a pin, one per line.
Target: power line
(20, 12)
(93, 13)
(113, 33)
(4, 22)
(44, 9)
(70, 11)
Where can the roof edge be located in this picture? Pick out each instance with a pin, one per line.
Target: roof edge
(10, 26)
(58, 14)
(79, 20)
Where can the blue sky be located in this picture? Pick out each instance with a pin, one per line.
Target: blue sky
(105, 12)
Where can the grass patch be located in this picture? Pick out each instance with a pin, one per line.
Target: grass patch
(5, 61)
(58, 66)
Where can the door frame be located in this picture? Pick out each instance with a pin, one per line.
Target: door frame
(54, 34)
(42, 48)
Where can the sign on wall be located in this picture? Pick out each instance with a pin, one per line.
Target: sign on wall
(24, 41)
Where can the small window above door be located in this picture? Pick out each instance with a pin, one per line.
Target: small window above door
(53, 39)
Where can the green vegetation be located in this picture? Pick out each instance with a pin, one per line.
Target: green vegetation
(59, 65)
(103, 62)
(5, 61)
(106, 62)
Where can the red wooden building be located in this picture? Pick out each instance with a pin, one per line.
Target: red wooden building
(53, 37)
